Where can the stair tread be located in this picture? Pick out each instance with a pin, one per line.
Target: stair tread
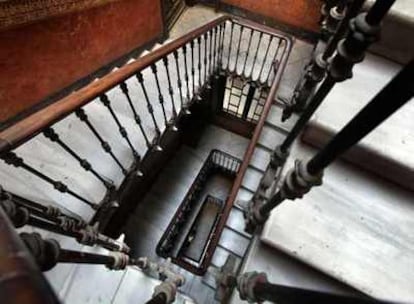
(270, 137)
(260, 158)
(103, 281)
(274, 118)
(389, 149)
(251, 179)
(356, 228)
(396, 27)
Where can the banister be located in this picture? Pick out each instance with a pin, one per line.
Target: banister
(255, 137)
(30, 126)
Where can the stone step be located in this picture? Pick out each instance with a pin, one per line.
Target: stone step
(387, 151)
(396, 41)
(355, 227)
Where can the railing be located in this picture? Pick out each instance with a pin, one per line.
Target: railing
(139, 101)
(172, 243)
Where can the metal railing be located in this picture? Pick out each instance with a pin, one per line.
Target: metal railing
(188, 66)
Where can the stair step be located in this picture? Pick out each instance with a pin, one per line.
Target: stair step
(274, 118)
(397, 27)
(131, 291)
(387, 151)
(252, 178)
(243, 195)
(102, 281)
(356, 227)
(270, 137)
(260, 158)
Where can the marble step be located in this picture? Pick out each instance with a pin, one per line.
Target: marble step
(356, 227)
(388, 150)
(397, 29)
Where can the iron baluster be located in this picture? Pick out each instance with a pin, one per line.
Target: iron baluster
(274, 64)
(250, 75)
(47, 211)
(238, 49)
(247, 52)
(12, 159)
(221, 45)
(186, 78)
(160, 96)
(149, 105)
(192, 65)
(54, 137)
(199, 63)
(230, 44)
(170, 88)
(47, 253)
(22, 211)
(210, 68)
(178, 78)
(215, 57)
(137, 118)
(350, 51)
(205, 36)
(106, 102)
(264, 58)
(81, 114)
(316, 70)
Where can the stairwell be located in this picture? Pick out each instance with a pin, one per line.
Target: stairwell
(340, 238)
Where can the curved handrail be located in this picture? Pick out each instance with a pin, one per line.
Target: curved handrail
(32, 125)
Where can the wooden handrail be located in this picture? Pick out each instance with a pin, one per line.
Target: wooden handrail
(32, 125)
(256, 134)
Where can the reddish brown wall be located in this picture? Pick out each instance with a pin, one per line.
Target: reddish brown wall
(40, 59)
(302, 14)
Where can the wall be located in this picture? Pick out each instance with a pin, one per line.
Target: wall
(42, 58)
(301, 14)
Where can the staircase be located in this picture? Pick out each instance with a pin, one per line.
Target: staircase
(119, 156)
(96, 147)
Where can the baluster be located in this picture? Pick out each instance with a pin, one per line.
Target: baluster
(137, 118)
(199, 63)
(54, 137)
(12, 159)
(192, 65)
(47, 211)
(221, 45)
(247, 52)
(170, 88)
(250, 75)
(210, 68)
(160, 97)
(179, 83)
(274, 64)
(149, 106)
(315, 71)
(230, 44)
(81, 114)
(238, 49)
(264, 58)
(47, 253)
(304, 176)
(215, 57)
(186, 104)
(106, 102)
(205, 57)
